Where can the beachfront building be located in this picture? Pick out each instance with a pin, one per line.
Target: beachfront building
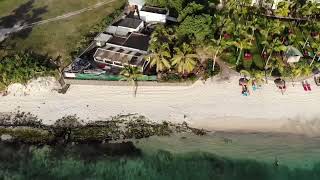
(124, 43)
(123, 51)
(154, 14)
(125, 26)
(102, 39)
(138, 3)
(150, 14)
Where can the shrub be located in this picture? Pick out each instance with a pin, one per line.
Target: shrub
(68, 122)
(258, 61)
(171, 77)
(23, 66)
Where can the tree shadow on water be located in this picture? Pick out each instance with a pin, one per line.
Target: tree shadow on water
(22, 15)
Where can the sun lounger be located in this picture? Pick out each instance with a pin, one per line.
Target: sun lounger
(308, 86)
(304, 86)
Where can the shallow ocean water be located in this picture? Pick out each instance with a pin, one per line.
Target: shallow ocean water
(294, 151)
(219, 155)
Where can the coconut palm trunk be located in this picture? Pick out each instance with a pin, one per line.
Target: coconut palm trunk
(215, 58)
(314, 57)
(135, 86)
(269, 57)
(239, 56)
(305, 43)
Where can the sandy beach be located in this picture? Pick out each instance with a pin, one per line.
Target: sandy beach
(213, 105)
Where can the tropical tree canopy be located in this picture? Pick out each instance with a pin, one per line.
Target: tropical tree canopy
(184, 60)
(197, 27)
(159, 57)
(131, 73)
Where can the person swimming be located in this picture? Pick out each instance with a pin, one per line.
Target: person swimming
(276, 162)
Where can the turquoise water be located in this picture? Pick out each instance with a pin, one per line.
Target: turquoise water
(294, 151)
(221, 156)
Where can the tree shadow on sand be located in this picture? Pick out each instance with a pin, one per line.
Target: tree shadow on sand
(22, 15)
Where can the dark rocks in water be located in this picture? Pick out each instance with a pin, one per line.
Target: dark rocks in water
(28, 129)
(6, 137)
(227, 140)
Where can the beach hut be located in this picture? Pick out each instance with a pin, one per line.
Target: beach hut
(293, 55)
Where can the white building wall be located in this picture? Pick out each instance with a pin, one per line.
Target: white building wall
(132, 29)
(69, 75)
(139, 3)
(152, 17)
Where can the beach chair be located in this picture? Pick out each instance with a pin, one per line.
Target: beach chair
(308, 86)
(304, 86)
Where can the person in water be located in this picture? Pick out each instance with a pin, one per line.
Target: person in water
(276, 162)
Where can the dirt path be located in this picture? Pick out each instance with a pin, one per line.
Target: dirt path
(4, 32)
(225, 70)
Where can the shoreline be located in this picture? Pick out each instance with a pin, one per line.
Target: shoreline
(213, 105)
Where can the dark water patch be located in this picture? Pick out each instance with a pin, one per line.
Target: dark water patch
(41, 163)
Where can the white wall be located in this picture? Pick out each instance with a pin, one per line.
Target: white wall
(69, 75)
(152, 17)
(132, 29)
(139, 3)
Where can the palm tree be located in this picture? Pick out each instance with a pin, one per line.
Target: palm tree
(306, 70)
(296, 72)
(241, 45)
(283, 9)
(132, 73)
(184, 59)
(258, 77)
(245, 73)
(213, 50)
(254, 76)
(162, 34)
(276, 46)
(316, 47)
(159, 56)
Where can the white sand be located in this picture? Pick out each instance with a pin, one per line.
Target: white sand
(213, 105)
(34, 87)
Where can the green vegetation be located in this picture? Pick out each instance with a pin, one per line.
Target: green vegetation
(22, 67)
(240, 34)
(98, 162)
(132, 73)
(59, 38)
(20, 54)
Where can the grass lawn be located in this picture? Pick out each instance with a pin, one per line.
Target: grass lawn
(53, 7)
(60, 37)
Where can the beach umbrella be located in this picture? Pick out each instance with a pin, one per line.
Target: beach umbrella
(243, 81)
(315, 71)
(280, 82)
